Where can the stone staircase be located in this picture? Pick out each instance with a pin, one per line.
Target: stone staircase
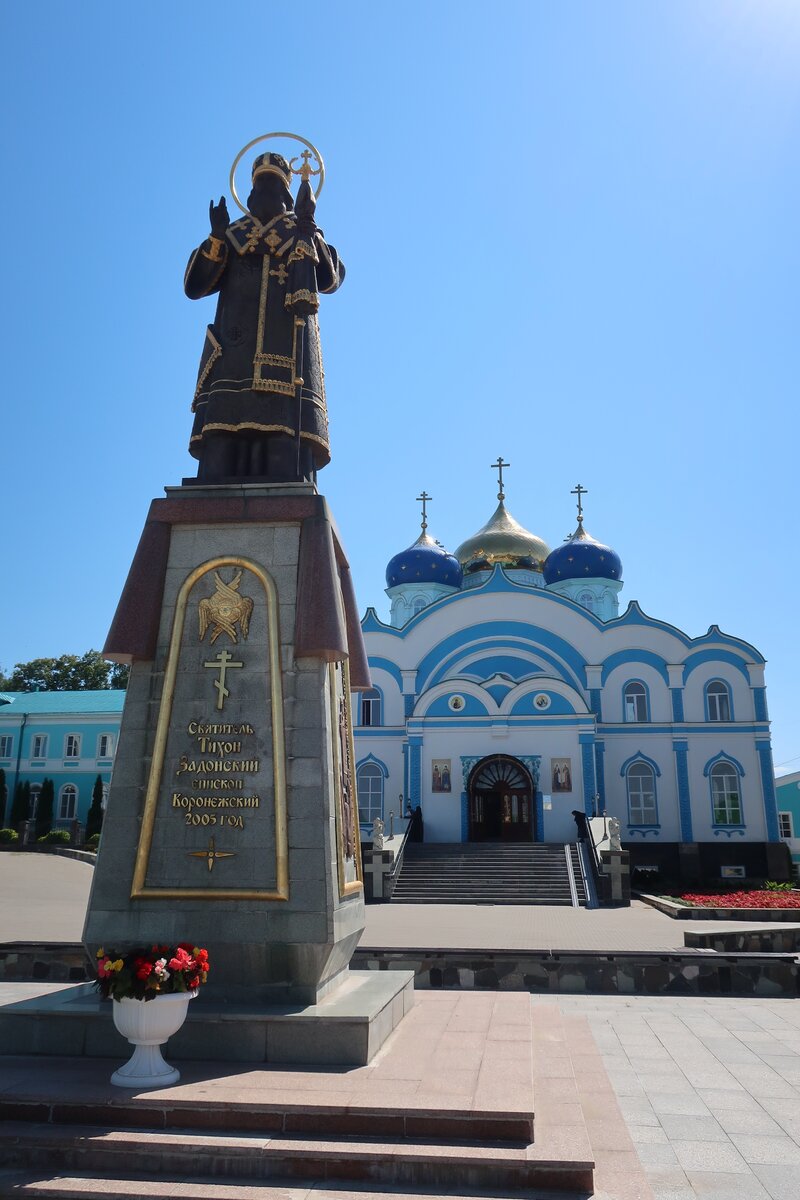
(491, 873)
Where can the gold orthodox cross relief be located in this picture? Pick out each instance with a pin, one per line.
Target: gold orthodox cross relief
(212, 854)
(223, 662)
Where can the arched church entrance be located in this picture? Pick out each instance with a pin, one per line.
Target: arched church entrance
(501, 807)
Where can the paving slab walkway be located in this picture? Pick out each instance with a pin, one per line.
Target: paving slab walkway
(709, 1088)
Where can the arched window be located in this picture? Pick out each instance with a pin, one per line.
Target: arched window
(67, 802)
(369, 785)
(418, 604)
(641, 781)
(635, 701)
(726, 794)
(371, 707)
(587, 601)
(719, 701)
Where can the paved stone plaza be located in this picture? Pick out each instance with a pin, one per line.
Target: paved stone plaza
(709, 1088)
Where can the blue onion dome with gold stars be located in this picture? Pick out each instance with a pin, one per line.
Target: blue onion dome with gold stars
(425, 562)
(582, 557)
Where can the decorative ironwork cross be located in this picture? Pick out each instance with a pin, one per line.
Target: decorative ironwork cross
(424, 497)
(579, 491)
(223, 662)
(499, 465)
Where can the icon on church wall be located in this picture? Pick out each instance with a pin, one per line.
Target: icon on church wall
(562, 774)
(440, 775)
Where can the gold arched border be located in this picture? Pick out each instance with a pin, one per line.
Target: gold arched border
(346, 888)
(138, 890)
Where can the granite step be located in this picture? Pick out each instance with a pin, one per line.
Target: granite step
(498, 873)
(251, 1156)
(139, 1186)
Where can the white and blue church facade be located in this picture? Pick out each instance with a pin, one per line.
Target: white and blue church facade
(509, 691)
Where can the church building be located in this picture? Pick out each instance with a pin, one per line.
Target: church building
(510, 690)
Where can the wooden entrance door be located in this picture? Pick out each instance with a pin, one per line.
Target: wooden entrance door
(500, 802)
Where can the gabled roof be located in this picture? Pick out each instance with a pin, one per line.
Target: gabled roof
(107, 700)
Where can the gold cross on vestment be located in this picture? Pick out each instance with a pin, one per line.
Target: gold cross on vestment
(424, 497)
(212, 854)
(222, 662)
(499, 465)
(281, 273)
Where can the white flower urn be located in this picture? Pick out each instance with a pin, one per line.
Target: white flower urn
(147, 1024)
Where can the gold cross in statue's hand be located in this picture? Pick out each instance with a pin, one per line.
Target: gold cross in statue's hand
(222, 662)
(212, 854)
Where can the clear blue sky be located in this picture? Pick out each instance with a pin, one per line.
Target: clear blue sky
(572, 238)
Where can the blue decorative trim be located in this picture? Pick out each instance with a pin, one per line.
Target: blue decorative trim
(728, 689)
(600, 768)
(703, 656)
(587, 762)
(378, 731)
(760, 701)
(728, 830)
(764, 750)
(415, 749)
(464, 817)
(681, 749)
(497, 632)
(677, 704)
(385, 664)
(625, 687)
(409, 701)
(643, 830)
(532, 721)
(377, 762)
(640, 757)
(596, 702)
(406, 780)
(635, 655)
(612, 727)
(723, 757)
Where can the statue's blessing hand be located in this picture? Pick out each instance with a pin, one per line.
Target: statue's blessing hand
(219, 218)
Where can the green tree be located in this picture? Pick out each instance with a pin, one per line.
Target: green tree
(69, 673)
(21, 806)
(44, 809)
(120, 674)
(3, 796)
(94, 820)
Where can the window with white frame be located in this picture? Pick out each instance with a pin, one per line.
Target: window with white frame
(418, 603)
(719, 701)
(641, 794)
(587, 601)
(726, 794)
(39, 745)
(6, 745)
(369, 784)
(105, 745)
(635, 701)
(72, 745)
(36, 789)
(371, 707)
(67, 803)
(785, 825)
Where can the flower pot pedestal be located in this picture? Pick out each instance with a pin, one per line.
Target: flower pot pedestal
(147, 1024)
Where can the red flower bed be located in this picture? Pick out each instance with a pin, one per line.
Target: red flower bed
(761, 899)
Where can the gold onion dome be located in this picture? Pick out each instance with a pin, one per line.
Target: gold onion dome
(502, 542)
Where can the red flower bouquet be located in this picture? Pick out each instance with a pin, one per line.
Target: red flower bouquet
(144, 974)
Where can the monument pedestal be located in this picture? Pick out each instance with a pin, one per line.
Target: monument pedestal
(232, 819)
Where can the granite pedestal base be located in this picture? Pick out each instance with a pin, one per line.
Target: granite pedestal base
(346, 1029)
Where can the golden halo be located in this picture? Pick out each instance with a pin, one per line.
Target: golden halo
(263, 138)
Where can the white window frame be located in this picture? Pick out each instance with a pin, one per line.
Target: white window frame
(36, 791)
(6, 745)
(786, 818)
(109, 739)
(369, 789)
(371, 706)
(642, 800)
(69, 740)
(68, 792)
(637, 714)
(39, 747)
(721, 697)
(726, 796)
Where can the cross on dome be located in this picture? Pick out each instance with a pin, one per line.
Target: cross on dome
(579, 491)
(424, 497)
(499, 465)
